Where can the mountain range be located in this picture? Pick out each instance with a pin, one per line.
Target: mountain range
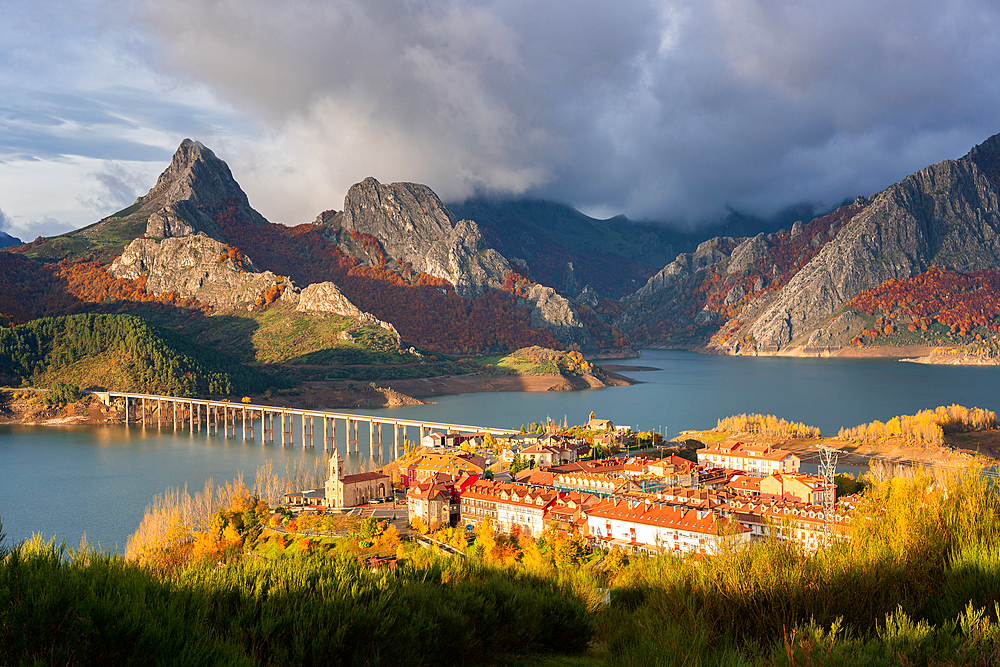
(488, 275)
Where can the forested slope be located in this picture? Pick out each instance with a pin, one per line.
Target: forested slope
(120, 352)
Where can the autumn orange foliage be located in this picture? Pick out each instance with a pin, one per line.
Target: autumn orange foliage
(784, 258)
(29, 289)
(960, 301)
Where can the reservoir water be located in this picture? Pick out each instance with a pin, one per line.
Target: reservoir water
(63, 482)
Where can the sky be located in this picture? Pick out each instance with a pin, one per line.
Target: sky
(668, 111)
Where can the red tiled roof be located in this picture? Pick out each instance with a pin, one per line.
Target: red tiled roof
(695, 521)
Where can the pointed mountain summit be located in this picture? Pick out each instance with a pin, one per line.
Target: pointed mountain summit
(190, 191)
(186, 200)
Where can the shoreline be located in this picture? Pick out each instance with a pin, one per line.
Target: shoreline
(475, 383)
(918, 354)
(323, 395)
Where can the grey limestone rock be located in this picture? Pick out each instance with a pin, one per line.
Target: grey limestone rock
(194, 185)
(191, 266)
(749, 252)
(707, 254)
(552, 311)
(166, 222)
(414, 226)
(735, 294)
(326, 297)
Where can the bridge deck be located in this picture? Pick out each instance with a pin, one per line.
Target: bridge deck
(323, 414)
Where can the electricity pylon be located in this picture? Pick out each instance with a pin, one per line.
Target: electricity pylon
(828, 469)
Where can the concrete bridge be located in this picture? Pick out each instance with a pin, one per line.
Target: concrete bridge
(195, 414)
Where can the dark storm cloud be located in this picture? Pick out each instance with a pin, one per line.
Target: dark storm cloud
(668, 110)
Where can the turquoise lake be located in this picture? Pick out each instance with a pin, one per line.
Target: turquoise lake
(63, 482)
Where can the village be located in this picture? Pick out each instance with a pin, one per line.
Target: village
(734, 493)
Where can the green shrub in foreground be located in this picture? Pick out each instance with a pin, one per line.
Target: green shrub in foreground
(93, 608)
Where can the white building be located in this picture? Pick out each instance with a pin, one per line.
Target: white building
(759, 460)
(647, 528)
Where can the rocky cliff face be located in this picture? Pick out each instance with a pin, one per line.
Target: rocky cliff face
(194, 185)
(725, 280)
(415, 228)
(327, 298)
(550, 310)
(946, 214)
(196, 267)
(708, 254)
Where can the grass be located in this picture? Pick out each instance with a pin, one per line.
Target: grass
(307, 347)
(536, 361)
(90, 608)
(102, 240)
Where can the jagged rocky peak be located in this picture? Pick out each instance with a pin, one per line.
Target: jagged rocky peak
(192, 188)
(414, 226)
(753, 250)
(326, 297)
(708, 253)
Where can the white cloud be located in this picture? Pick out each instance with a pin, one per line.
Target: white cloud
(34, 207)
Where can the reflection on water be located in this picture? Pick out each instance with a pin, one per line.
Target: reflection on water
(67, 480)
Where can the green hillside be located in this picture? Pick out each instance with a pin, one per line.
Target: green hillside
(120, 352)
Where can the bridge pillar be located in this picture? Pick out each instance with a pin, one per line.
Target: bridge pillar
(352, 435)
(308, 435)
(286, 432)
(375, 438)
(395, 441)
(329, 434)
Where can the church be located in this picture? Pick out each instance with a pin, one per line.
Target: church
(352, 490)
